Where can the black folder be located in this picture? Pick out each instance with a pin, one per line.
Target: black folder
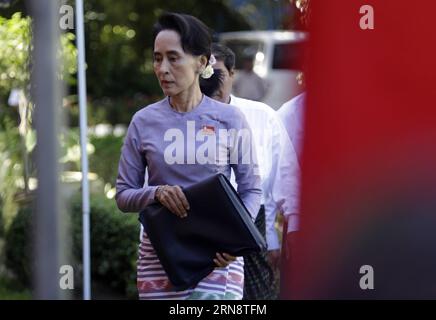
(217, 221)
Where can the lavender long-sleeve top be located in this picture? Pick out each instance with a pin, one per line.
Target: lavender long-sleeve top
(185, 148)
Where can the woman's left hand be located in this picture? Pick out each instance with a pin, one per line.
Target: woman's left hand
(223, 259)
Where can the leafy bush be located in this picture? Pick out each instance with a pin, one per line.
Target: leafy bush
(18, 246)
(9, 290)
(104, 160)
(2, 224)
(114, 243)
(103, 152)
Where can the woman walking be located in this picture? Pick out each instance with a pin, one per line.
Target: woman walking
(169, 138)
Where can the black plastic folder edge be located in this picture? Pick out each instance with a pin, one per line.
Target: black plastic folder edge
(246, 218)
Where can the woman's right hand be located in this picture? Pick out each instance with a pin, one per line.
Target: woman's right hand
(173, 198)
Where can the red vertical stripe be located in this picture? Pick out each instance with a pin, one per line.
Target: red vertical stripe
(369, 154)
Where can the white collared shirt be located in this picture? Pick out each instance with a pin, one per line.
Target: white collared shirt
(278, 164)
(291, 114)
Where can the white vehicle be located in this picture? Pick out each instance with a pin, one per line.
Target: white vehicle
(277, 59)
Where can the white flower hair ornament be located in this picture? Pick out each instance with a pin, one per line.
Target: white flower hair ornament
(208, 71)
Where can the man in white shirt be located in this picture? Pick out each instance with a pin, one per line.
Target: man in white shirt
(279, 172)
(291, 114)
(247, 84)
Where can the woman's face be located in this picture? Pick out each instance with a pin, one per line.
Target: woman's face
(176, 70)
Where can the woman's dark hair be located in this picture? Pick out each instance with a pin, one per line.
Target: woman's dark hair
(195, 36)
(221, 53)
(224, 54)
(211, 86)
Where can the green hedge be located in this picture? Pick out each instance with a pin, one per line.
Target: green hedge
(114, 243)
(2, 224)
(18, 246)
(104, 160)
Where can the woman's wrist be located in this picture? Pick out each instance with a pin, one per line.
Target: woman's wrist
(157, 193)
